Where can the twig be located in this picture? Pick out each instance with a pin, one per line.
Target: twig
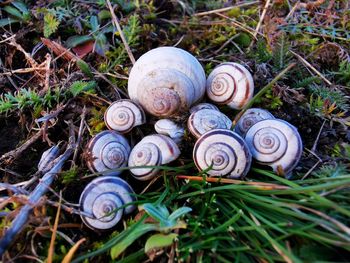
(260, 20)
(313, 149)
(259, 185)
(22, 217)
(116, 23)
(14, 154)
(54, 233)
(243, 4)
(47, 75)
(311, 67)
(80, 133)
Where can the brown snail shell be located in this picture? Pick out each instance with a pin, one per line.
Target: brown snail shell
(224, 151)
(106, 151)
(230, 84)
(275, 143)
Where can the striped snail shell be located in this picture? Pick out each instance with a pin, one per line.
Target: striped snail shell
(231, 84)
(169, 128)
(205, 120)
(166, 81)
(275, 143)
(224, 151)
(152, 150)
(107, 150)
(249, 118)
(123, 115)
(202, 106)
(101, 199)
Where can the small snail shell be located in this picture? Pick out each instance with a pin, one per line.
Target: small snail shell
(205, 120)
(249, 118)
(45, 163)
(230, 84)
(101, 198)
(202, 106)
(169, 128)
(224, 151)
(275, 143)
(107, 150)
(152, 150)
(166, 80)
(123, 115)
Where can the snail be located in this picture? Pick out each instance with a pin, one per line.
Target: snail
(169, 128)
(249, 118)
(166, 81)
(123, 115)
(223, 152)
(231, 84)
(202, 106)
(276, 143)
(101, 199)
(205, 120)
(107, 150)
(152, 150)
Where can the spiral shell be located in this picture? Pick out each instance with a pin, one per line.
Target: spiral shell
(202, 106)
(224, 151)
(275, 143)
(152, 150)
(123, 115)
(107, 150)
(230, 84)
(166, 81)
(249, 118)
(207, 119)
(169, 128)
(101, 199)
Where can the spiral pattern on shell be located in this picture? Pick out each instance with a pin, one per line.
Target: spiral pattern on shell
(107, 150)
(123, 115)
(205, 120)
(249, 118)
(230, 84)
(102, 198)
(224, 151)
(152, 150)
(202, 106)
(166, 81)
(276, 143)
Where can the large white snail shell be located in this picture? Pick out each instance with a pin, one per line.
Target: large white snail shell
(202, 106)
(169, 128)
(107, 150)
(275, 143)
(231, 84)
(224, 151)
(249, 118)
(166, 80)
(101, 199)
(123, 115)
(152, 150)
(205, 120)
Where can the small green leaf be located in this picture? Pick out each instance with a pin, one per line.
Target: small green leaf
(77, 40)
(14, 12)
(159, 241)
(94, 23)
(8, 21)
(21, 6)
(179, 212)
(80, 86)
(50, 24)
(155, 212)
(85, 68)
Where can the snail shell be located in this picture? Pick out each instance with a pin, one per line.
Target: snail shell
(152, 150)
(249, 118)
(169, 128)
(166, 80)
(231, 84)
(207, 119)
(46, 160)
(202, 106)
(107, 150)
(224, 151)
(275, 143)
(123, 115)
(101, 199)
